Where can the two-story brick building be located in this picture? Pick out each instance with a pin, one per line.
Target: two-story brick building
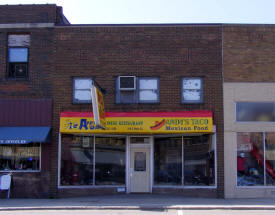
(165, 91)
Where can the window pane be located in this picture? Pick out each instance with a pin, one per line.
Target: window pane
(82, 95)
(18, 55)
(20, 157)
(168, 161)
(255, 111)
(250, 159)
(148, 95)
(139, 140)
(191, 95)
(85, 84)
(270, 158)
(19, 40)
(110, 161)
(76, 160)
(140, 161)
(190, 84)
(146, 84)
(199, 161)
(127, 97)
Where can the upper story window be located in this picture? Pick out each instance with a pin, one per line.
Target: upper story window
(255, 111)
(82, 90)
(132, 90)
(192, 90)
(18, 56)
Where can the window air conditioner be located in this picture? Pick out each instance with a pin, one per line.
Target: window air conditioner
(127, 82)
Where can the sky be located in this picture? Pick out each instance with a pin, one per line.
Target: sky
(162, 11)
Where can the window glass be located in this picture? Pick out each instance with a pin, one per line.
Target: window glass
(250, 159)
(20, 157)
(140, 161)
(82, 92)
(18, 54)
(168, 161)
(76, 160)
(146, 92)
(199, 161)
(139, 140)
(255, 111)
(270, 158)
(110, 155)
(191, 90)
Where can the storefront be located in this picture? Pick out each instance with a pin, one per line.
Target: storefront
(249, 140)
(25, 139)
(138, 152)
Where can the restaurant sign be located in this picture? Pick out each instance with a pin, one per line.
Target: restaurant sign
(139, 122)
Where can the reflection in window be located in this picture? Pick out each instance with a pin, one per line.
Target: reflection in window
(110, 154)
(24, 157)
(270, 158)
(168, 161)
(199, 161)
(76, 160)
(250, 159)
(255, 111)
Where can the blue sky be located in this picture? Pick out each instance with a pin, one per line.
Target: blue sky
(162, 11)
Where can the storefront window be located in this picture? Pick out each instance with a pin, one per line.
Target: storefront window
(255, 111)
(110, 154)
(20, 157)
(250, 159)
(77, 160)
(199, 161)
(168, 161)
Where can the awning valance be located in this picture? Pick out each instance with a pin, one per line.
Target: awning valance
(24, 135)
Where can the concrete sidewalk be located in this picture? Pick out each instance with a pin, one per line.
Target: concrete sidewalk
(134, 201)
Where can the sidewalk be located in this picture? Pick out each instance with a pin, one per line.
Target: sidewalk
(134, 201)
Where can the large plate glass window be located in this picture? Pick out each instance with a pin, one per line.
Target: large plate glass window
(25, 157)
(89, 160)
(192, 90)
(18, 56)
(255, 111)
(255, 159)
(82, 90)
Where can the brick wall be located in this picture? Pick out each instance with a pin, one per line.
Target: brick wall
(29, 14)
(167, 52)
(249, 53)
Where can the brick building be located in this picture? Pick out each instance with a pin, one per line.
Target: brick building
(163, 98)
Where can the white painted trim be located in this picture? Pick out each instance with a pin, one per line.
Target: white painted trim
(59, 160)
(128, 187)
(185, 187)
(182, 160)
(27, 25)
(214, 141)
(90, 186)
(151, 163)
(264, 160)
(94, 160)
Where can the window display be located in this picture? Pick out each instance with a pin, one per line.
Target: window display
(188, 161)
(85, 162)
(168, 161)
(199, 161)
(110, 157)
(24, 157)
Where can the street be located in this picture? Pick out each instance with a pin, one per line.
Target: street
(141, 212)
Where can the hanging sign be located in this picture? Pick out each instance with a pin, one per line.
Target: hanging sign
(98, 107)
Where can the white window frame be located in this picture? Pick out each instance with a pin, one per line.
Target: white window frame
(182, 91)
(77, 101)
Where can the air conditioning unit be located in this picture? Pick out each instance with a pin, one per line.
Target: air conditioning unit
(127, 82)
(20, 70)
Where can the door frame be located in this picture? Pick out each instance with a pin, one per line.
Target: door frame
(128, 159)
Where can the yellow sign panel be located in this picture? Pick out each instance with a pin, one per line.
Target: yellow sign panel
(138, 125)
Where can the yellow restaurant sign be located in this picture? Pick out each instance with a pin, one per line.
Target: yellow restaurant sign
(139, 123)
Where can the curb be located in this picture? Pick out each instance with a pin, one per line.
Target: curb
(141, 207)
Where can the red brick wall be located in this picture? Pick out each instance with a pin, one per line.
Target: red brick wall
(167, 52)
(249, 53)
(28, 14)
